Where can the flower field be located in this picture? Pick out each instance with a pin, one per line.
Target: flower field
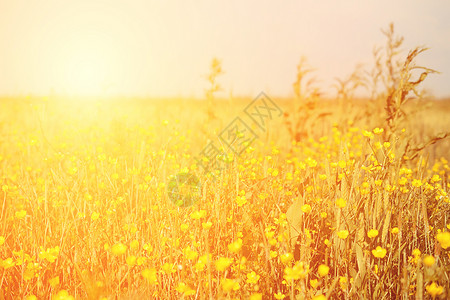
(258, 198)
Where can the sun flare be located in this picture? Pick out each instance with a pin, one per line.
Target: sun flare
(85, 71)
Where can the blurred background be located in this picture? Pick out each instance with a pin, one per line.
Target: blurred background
(164, 48)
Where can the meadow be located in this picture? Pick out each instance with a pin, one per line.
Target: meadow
(341, 198)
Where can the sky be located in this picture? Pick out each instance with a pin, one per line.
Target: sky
(164, 48)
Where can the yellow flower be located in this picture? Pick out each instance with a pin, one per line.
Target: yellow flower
(7, 263)
(378, 130)
(235, 246)
(223, 263)
(31, 297)
(279, 296)
(434, 290)
(206, 225)
(185, 289)
(416, 252)
(298, 271)
(306, 208)
(134, 244)
(54, 281)
(51, 254)
(150, 275)
(323, 270)
(118, 249)
(444, 239)
(435, 178)
(367, 134)
(343, 234)
(184, 227)
(131, 260)
(256, 296)
(341, 203)
(379, 252)
(429, 260)
(147, 247)
(95, 216)
(2, 240)
(287, 257)
(168, 268)
(63, 295)
(252, 277)
(189, 253)
(241, 200)
(394, 230)
(319, 297)
(372, 233)
(198, 214)
(229, 284)
(311, 162)
(314, 283)
(343, 282)
(202, 261)
(417, 183)
(141, 260)
(21, 214)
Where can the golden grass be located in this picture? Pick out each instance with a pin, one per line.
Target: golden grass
(78, 179)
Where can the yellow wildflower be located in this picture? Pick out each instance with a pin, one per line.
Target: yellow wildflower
(341, 203)
(63, 295)
(236, 246)
(444, 239)
(134, 244)
(223, 263)
(206, 225)
(150, 275)
(198, 214)
(343, 234)
(306, 208)
(256, 296)
(131, 260)
(95, 216)
(21, 214)
(429, 260)
(372, 233)
(229, 284)
(185, 289)
(54, 281)
(323, 270)
(434, 290)
(279, 296)
(314, 283)
(168, 268)
(287, 257)
(379, 252)
(118, 249)
(252, 277)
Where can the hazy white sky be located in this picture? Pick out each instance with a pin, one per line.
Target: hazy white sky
(163, 48)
